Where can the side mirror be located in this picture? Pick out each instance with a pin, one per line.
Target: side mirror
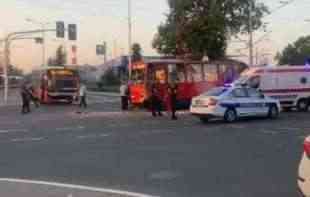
(262, 96)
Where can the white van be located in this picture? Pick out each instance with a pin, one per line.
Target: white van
(289, 84)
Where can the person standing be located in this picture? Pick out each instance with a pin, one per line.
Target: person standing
(155, 102)
(173, 90)
(124, 96)
(25, 94)
(33, 96)
(82, 94)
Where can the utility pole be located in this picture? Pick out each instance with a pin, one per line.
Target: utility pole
(129, 38)
(251, 34)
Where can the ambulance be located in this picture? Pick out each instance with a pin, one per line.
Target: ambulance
(288, 84)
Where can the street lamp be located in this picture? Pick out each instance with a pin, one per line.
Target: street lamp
(43, 27)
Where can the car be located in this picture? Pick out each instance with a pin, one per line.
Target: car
(232, 103)
(304, 170)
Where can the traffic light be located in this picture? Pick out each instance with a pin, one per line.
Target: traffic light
(60, 29)
(100, 49)
(72, 31)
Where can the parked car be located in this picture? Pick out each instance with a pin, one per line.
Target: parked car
(231, 103)
(289, 84)
(304, 170)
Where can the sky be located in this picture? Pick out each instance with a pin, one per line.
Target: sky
(106, 20)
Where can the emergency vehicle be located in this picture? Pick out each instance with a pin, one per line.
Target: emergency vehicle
(232, 103)
(289, 84)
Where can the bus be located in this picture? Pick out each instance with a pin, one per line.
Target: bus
(53, 84)
(191, 77)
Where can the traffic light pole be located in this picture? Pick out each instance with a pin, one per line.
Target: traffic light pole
(7, 41)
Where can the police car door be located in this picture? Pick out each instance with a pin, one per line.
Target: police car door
(258, 104)
(241, 101)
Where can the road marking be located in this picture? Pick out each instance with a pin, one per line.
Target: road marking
(79, 187)
(70, 128)
(157, 131)
(27, 139)
(13, 130)
(92, 136)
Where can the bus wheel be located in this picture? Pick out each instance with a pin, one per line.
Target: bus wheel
(303, 105)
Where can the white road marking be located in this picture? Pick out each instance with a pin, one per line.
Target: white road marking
(13, 130)
(157, 131)
(70, 128)
(27, 139)
(79, 187)
(92, 136)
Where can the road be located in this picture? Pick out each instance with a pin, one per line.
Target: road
(131, 151)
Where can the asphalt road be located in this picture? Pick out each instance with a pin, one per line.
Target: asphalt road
(131, 151)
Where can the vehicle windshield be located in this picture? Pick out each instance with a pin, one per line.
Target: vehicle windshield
(216, 91)
(138, 75)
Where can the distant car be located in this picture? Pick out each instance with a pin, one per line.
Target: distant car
(304, 170)
(231, 103)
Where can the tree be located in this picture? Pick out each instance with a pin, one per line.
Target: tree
(295, 54)
(136, 52)
(60, 58)
(198, 28)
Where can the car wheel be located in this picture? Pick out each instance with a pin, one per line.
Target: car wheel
(204, 119)
(302, 105)
(273, 112)
(230, 116)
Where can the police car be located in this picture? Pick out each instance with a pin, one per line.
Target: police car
(304, 170)
(231, 103)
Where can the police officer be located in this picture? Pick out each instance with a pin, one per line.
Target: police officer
(173, 89)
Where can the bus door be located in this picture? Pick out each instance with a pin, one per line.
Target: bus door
(160, 75)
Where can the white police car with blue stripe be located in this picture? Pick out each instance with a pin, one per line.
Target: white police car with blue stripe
(233, 102)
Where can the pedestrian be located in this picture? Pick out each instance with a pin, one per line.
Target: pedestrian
(82, 95)
(25, 94)
(173, 90)
(124, 96)
(156, 104)
(33, 96)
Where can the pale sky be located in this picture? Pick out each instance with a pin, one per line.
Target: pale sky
(106, 20)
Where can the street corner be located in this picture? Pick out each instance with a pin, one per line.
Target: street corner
(22, 187)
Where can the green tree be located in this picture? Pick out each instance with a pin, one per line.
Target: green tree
(198, 28)
(136, 52)
(296, 53)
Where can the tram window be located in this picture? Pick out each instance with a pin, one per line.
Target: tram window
(160, 76)
(181, 73)
(195, 72)
(211, 72)
(173, 73)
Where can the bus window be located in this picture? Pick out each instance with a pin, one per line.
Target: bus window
(195, 72)
(211, 72)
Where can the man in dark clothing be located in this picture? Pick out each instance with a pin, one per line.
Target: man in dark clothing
(155, 102)
(25, 94)
(33, 96)
(173, 90)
